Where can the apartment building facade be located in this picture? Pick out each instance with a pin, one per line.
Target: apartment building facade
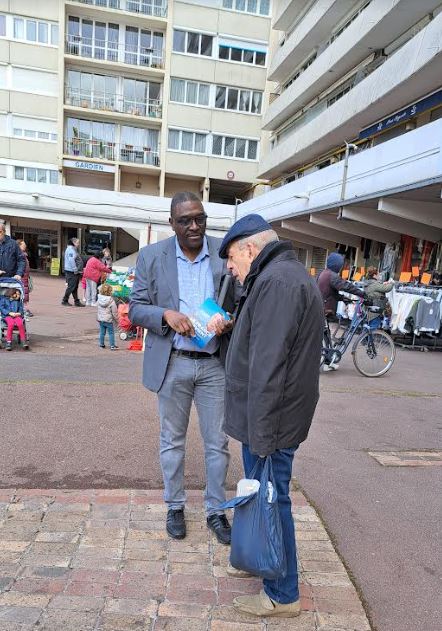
(355, 124)
(130, 96)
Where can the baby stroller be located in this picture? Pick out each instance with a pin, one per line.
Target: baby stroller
(5, 285)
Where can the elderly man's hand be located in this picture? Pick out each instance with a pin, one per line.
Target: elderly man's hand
(219, 325)
(17, 277)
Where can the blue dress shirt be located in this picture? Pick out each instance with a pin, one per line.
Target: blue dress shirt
(195, 284)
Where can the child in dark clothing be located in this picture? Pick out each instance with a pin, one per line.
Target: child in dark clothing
(11, 309)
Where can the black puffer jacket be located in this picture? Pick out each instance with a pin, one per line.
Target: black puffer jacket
(272, 365)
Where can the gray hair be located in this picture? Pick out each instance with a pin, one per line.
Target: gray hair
(259, 240)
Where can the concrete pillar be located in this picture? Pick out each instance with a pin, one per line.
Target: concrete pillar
(117, 178)
(8, 226)
(206, 189)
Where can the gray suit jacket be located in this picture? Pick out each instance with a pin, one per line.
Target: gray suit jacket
(155, 290)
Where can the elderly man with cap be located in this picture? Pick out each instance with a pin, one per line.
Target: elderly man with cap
(272, 376)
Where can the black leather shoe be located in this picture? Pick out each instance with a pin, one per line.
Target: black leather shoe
(221, 527)
(175, 523)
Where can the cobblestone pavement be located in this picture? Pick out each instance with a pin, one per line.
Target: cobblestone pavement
(101, 560)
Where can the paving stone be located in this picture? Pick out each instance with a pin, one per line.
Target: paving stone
(339, 606)
(348, 621)
(136, 565)
(49, 560)
(132, 606)
(67, 620)
(18, 599)
(180, 624)
(187, 581)
(124, 622)
(24, 615)
(91, 563)
(231, 614)
(305, 622)
(76, 603)
(183, 610)
(191, 569)
(141, 554)
(39, 585)
(14, 546)
(5, 582)
(95, 576)
(324, 579)
(188, 557)
(45, 572)
(57, 537)
(223, 625)
(192, 596)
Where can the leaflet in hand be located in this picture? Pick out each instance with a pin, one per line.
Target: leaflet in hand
(201, 319)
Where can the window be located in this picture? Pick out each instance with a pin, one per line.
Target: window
(90, 139)
(34, 81)
(37, 31)
(188, 141)
(257, 7)
(232, 147)
(242, 55)
(236, 100)
(2, 25)
(190, 92)
(19, 173)
(192, 43)
(143, 47)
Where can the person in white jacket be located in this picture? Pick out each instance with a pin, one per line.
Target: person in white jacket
(106, 315)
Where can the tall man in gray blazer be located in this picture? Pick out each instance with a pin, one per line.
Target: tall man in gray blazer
(172, 279)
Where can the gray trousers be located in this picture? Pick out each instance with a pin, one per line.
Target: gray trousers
(201, 381)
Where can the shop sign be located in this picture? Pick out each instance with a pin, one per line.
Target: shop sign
(423, 105)
(230, 175)
(55, 266)
(89, 166)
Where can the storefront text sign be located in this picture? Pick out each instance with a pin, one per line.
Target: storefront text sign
(89, 166)
(55, 267)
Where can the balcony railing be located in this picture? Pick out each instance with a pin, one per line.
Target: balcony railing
(156, 8)
(104, 150)
(105, 50)
(112, 103)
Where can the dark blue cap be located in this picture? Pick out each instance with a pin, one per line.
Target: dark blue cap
(335, 262)
(244, 227)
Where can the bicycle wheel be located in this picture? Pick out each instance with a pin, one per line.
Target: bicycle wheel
(373, 353)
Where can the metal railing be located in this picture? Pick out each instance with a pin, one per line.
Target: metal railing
(105, 50)
(155, 8)
(104, 150)
(77, 97)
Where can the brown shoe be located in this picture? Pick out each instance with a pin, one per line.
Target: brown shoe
(235, 573)
(261, 605)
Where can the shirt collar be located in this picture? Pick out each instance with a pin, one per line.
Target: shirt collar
(202, 255)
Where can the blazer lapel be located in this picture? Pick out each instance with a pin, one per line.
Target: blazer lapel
(216, 264)
(171, 271)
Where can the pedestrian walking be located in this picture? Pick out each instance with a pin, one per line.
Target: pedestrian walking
(12, 264)
(106, 316)
(73, 269)
(272, 377)
(376, 290)
(26, 279)
(92, 273)
(172, 279)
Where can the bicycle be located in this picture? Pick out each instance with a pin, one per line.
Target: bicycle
(373, 351)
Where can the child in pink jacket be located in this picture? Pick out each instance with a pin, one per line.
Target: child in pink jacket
(92, 274)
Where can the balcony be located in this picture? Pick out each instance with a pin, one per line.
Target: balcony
(109, 151)
(109, 51)
(117, 103)
(154, 8)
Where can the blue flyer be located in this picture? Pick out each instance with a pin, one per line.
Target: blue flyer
(201, 318)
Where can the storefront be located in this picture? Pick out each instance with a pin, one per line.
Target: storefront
(42, 245)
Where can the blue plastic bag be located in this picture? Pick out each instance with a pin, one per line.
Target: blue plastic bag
(257, 543)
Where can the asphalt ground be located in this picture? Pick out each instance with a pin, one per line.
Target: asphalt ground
(76, 416)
